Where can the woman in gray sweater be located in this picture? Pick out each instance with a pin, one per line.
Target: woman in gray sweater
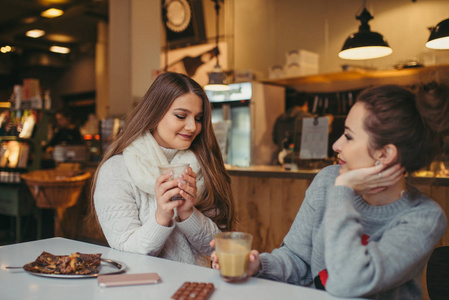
(363, 230)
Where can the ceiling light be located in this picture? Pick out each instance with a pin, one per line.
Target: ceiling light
(60, 38)
(58, 49)
(35, 33)
(364, 44)
(52, 13)
(29, 20)
(53, 2)
(5, 104)
(217, 77)
(439, 36)
(6, 49)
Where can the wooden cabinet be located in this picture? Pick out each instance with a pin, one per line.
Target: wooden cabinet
(16, 201)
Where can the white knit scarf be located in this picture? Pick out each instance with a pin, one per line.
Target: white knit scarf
(143, 157)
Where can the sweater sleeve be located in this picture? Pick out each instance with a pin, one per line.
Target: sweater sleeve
(291, 262)
(115, 204)
(398, 256)
(199, 231)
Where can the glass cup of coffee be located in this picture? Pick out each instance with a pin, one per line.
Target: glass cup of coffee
(177, 169)
(232, 249)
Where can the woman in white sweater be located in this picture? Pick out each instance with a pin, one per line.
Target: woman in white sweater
(170, 125)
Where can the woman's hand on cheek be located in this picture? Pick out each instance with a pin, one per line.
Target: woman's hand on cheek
(371, 180)
(164, 190)
(187, 185)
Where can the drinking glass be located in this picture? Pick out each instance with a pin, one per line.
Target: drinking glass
(177, 169)
(232, 249)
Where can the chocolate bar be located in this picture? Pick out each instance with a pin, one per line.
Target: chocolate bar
(193, 291)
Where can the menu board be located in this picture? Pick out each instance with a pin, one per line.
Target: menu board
(314, 138)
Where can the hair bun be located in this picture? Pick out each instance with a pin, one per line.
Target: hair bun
(433, 104)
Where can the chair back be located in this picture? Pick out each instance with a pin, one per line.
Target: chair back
(438, 274)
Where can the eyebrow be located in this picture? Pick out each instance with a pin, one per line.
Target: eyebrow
(182, 109)
(348, 129)
(186, 110)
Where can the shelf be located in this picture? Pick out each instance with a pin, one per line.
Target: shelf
(12, 138)
(4, 104)
(351, 80)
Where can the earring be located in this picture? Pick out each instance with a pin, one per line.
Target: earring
(377, 162)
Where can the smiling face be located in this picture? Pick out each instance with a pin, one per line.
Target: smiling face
(181, 124)
(353, 146)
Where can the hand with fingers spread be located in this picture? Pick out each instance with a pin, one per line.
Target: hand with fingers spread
(187, 185)
(371, 180)
(253, 263)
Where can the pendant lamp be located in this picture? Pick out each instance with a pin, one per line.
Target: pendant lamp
(217, 77)
(365, 44)
(439, 36)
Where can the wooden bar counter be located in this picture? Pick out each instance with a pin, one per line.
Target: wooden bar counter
(268, 198)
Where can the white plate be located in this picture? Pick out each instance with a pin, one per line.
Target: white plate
(107, 266)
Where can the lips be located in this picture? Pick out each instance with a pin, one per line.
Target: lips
(185, 136)
(341, 161)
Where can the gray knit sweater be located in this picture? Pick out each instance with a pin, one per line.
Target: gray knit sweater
(354, 249)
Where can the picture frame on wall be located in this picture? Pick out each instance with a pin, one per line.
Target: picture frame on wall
(195, 61)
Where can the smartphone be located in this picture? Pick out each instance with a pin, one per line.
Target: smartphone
(128, 279)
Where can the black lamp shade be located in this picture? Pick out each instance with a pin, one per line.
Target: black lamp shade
(217, 80)
(365, 44)
(439, 36)
(216, 77)
(364, 39)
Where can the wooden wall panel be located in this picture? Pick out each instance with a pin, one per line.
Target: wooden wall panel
(266, 207)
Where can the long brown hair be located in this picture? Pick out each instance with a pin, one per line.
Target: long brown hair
(217, 196)
(414, 120)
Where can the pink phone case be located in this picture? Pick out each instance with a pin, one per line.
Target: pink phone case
(128, 279)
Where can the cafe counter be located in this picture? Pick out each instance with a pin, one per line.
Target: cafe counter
(267, 199)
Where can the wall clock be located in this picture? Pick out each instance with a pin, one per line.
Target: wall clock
(179, 15)
(183, 22)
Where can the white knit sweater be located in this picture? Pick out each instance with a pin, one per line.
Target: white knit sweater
(126, 206)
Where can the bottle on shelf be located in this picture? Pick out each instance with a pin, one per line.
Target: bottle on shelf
(47, 100)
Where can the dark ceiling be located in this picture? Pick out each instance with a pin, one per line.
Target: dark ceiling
(78, 23)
